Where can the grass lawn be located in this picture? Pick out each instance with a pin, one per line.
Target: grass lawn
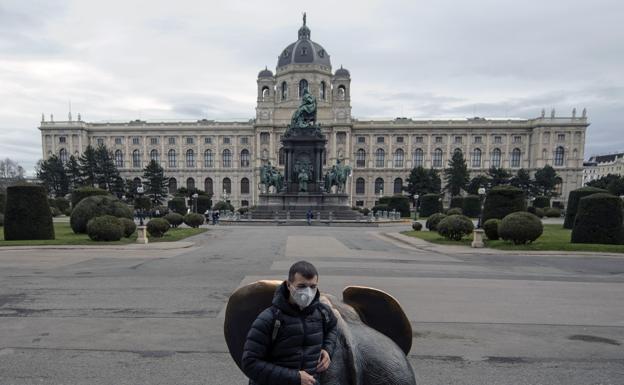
(65, 236)
(555, 237)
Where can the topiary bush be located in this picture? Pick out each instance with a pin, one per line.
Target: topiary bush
(203, 203)
(552, 212)
(178, 205)
(520, 228)
(62, 204)
(541, 202)
(1, 219)
(573, 202)
(454, 211)
(455, 227)
(598, 220)
(2, 202)
(55, 212)
(502, 201)
(28, 214)
(129, 227)
(430, 204)
(174, 219)
(472, 206)
(457, 201)
(96, 206)
(143, 202)
(157, 227)
(434, 220)
(416, 226)
(83, 192)
(490, 227)
(193, 220)
(399, 203)
(539, 212)
(105, 228)
(223, 206)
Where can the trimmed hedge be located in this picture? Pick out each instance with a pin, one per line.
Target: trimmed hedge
(598, 220)
(457, 201)
(83, 192)
(490, 227)
(1, 219)
(455, 227)
(193, 220)
(520, 227)
(399, 203)
(430, 204)
(454, 211)
(178, 205)
(2, 202)
(174, 219)
(143, 202)
(416, 226)
(129, 227)
(541, 202)
(28, 214)
(203, 203)
(96, 206)
(157, 227)
(223, 206)
(62, 204)
(472, 206)
(105, 228)
(573, 202)
(502, 201)
(434, 220)
(552, 212)
(55, 212)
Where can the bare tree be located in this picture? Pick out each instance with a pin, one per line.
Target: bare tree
(10, 169)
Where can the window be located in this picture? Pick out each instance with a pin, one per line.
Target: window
(561, 137)
(342, 92)
(380, 139)
(498, 139)
(207, 140)
(62, 139)
(190, 158)
(419, 139)
(515, 157)
(418, 158)
(399, 139)
(477, 140)
(360, 158)
(323, 91)
(458, 140)
(359, 203)
(208, 159)
(244, 158)
(153, 141)
(438, 139)
(284, 91)
(135, 140)
(379, 185)
(437, 158)
(227, 185)
(244, 203)
(119, 159)
(136, 159)
(171, 141)
(476, 158)
(341, 137)
(398, 186)
(226, 140)
(517, 139)
(190, 184)
(303, 86)
(63, 155)
(280, 157)
(380, 157)
(155, 156)
(100, 141)
(398, 158)
(171, 158)
(496, 158)
(559, 152)
(118, 141)
(227, 158)
(244, 140)
(189, 140)
(361, 139)
(208, 188)
(360, 186)
(173, 185)
(265, 93)
(265, 137)
(244, 186)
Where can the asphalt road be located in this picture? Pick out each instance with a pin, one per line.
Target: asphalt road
(147, 316)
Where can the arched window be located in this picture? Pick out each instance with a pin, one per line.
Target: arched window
(244, 186)
(208, 188)
(515, 157)
(190, 158)
(63, 155)
(136, 159)
(173, 185)
(155, 156)
(380, 157)
(398, 186)
(227, 185)
(280, 158)
(119, 159)
(360, 158)
(265, 93)
(208, 159)
(398, 158)
(227, 158)
(284, 91)
(190, 184)
(303, 85)
(476, 158)
(379, 185)
(559, 153)
(244, 158)
(360, 186)
(419, 158)
(323, 91)
(437, 157)
(171, 158)
(496, 158)
(342, 92)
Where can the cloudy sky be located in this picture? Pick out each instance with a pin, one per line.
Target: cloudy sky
(176, 60)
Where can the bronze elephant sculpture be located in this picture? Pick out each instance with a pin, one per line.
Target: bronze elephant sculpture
(374, 334)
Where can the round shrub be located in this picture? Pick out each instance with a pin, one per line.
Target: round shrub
(539, 212)
(157, 227)
(430, 204)
(541, 202)
(96, 206)
(83, 192)
(365, 211)
(223, 206)
(178, 205)
(28, 214)
(160, 211)
(457, 202)
(129, 227)
(203, 203)
(193, 220)
(598, 220)
(55, 211)
(62, 204)
(552, 212)
(105, 228)
(472, 206)
(502, 201)
(68, 212)
(416, 226)
(520, 227)
(174, 219)
(573, 202)
(434, 220)
(490, 227)
(454, 211)
(455, 227)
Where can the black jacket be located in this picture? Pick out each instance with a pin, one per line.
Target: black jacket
(298, 343)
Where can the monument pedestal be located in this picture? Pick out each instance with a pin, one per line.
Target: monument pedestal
(142, 235)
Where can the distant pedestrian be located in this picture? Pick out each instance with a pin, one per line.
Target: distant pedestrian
(309, 216)
(207, 214)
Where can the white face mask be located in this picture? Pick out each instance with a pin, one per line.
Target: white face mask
(304, 296)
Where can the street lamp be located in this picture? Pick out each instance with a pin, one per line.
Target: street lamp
(140, 192)
(481, 193)
(416, 196)
(195, 202)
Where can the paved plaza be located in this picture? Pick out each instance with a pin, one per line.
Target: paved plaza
(154, 315)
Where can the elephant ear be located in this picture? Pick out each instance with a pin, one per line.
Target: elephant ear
(382, 312)
(243, 307)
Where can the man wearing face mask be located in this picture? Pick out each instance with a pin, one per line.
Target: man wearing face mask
(291, 342)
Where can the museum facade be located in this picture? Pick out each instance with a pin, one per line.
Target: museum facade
(224, 158)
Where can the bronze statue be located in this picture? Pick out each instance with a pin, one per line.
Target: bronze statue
(270, 176)
(337, 176)
(304, 118)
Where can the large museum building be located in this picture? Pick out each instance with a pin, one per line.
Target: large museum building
(224, 158)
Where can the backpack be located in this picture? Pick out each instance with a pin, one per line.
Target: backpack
(277, 323)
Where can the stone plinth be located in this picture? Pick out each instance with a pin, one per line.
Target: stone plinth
(477, 238)
(142, 235)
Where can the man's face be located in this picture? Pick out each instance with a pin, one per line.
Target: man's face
(301, 282)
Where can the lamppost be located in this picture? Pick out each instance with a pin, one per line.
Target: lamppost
(195, 202)
(481, 192)
(140, 192)
(416, 196)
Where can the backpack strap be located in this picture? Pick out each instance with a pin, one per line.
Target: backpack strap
(277, 323)
(326, 317)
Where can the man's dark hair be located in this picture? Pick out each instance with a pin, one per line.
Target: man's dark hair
(306, 269)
